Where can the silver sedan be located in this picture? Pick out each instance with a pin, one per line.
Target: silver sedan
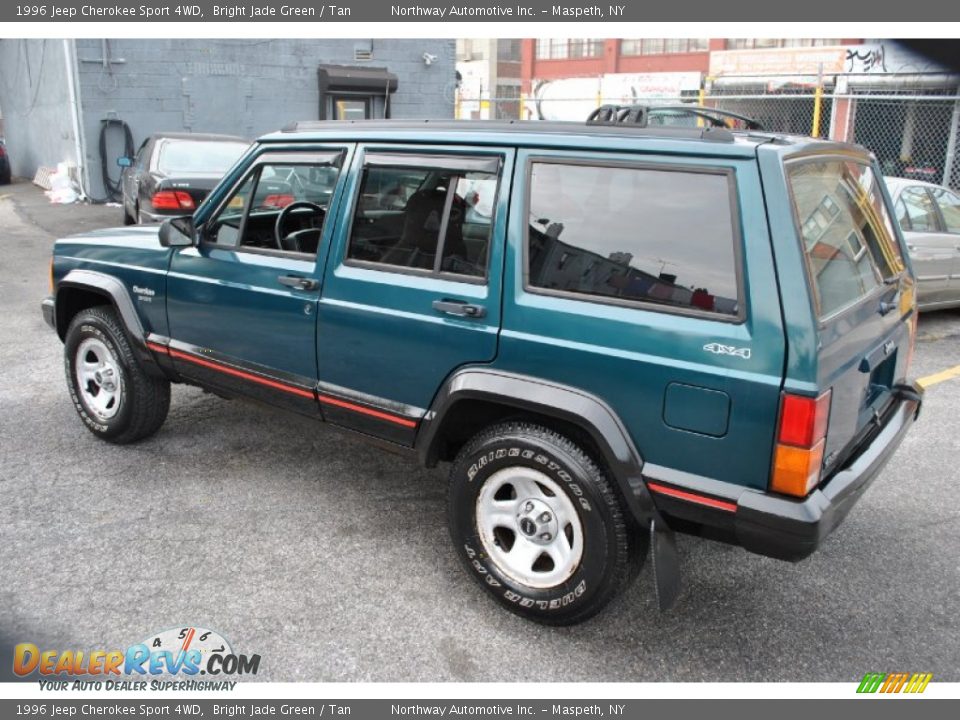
(929, 216)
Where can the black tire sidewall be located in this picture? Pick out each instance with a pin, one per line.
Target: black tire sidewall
(598, 566)
(87, 325)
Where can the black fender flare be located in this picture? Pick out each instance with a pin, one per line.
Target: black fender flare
(569, 404)
(119, 296)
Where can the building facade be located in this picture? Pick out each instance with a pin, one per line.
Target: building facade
(74, 100)
(876, 92)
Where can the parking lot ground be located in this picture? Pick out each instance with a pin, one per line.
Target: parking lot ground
(331, 559)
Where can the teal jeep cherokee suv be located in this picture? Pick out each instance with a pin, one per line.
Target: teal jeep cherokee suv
(611, 333)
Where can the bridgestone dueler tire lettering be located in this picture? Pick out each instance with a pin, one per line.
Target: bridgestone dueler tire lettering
(612, 551)
(144, 401)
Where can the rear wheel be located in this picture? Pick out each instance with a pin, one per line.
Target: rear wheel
(539, 525)
(127, 218)
(114, 397)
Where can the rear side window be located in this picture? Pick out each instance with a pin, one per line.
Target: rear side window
(432, 215)
(847, 235)
(625, 234)
(919, 212)
(949, 208)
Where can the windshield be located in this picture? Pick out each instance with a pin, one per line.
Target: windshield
(197, 156)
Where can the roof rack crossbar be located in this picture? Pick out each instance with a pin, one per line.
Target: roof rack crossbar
(641, 114)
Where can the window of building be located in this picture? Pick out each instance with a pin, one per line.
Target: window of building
(764, 43)
(433, 215)
(661, 46)
(627, 234)
(508, 50)
(567, 48)
(351, 108)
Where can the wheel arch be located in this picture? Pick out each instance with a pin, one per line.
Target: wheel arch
(81, 290)
(474, 398)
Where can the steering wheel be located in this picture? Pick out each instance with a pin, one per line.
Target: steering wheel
(278, 232)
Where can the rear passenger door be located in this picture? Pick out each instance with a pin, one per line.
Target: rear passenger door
(412, 287)
(949, 205)
(645, 281)
(932, 251)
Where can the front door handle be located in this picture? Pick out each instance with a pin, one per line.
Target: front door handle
(298, 282)
(459, 308)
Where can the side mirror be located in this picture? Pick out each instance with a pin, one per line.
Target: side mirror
(124, 162)
(178, 232)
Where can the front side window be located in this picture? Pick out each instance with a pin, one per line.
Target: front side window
(847, 235)
(249, 219)
(634, 234)
(426, 217)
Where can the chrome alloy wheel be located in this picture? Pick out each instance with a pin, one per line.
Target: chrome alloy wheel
(98, 378)
(529, 527)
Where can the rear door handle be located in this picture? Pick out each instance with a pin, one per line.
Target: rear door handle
(298, 282)
(459, 308)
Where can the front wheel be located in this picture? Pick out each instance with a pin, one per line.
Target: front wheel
(115, 398)
(539, 525)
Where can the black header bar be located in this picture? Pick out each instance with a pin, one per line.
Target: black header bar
(539, 11)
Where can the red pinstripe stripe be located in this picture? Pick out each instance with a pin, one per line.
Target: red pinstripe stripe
(241, 374)
(367, 411)
(693, 497)
(286, 388)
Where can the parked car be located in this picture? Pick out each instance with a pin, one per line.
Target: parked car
(5, 172)
(611, 333)
(929, 216)
(172, 173)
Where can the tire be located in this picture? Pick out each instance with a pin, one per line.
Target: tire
(519, 487)
(114, 397)
(127, 218)
(6, 178)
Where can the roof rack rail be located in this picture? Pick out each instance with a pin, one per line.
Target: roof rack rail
(640, 115)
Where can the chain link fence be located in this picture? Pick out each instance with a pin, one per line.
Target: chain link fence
(914, 133)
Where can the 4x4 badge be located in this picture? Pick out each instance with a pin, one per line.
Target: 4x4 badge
(718, 349)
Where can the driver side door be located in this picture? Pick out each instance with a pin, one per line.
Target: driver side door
(242, 302)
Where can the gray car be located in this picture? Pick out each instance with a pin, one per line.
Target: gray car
(929, 216)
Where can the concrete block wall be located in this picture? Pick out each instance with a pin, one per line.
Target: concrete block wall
(239, 87)
(35, 101)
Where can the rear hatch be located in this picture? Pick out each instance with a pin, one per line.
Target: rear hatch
(863, 293)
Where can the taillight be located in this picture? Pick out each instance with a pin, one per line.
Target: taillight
(52, 284)
(3, 151)
(172, 200)
(277, 200)
(801, 437)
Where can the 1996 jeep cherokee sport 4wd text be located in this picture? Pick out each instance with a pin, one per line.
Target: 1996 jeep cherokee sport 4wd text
(611, 333)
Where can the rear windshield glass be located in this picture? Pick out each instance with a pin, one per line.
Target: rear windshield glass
(847, 235)
(197, 156)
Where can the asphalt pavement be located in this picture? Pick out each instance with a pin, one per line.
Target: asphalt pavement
(331, 560)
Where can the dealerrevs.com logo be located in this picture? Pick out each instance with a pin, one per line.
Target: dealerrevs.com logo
(184, 653)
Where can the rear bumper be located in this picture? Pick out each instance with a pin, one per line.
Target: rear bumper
(775, 525)
(49, 310)
(792, 529)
